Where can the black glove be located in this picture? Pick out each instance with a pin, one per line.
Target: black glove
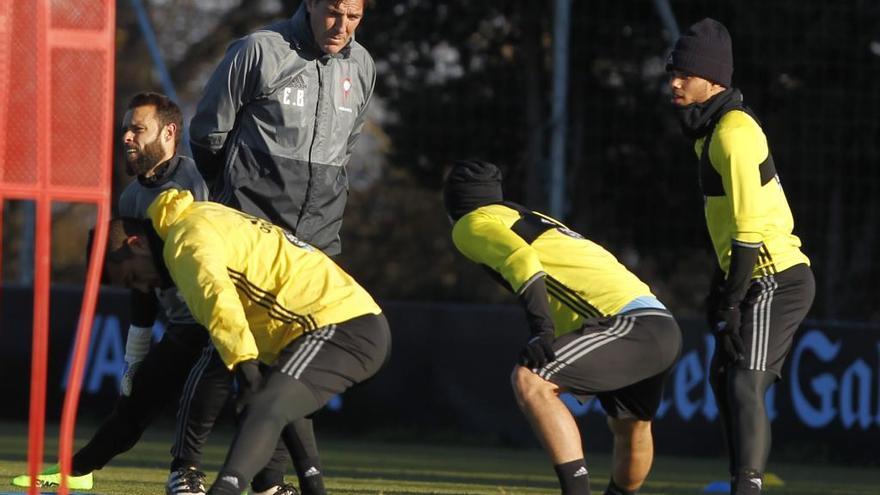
(538, 351)
(726, 331)
(248, 377)
(725, 297)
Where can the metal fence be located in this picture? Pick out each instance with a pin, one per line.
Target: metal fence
(466, 78)
(459, 78)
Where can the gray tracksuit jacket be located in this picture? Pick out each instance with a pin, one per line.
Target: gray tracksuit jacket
(177, 173)
(276, 125)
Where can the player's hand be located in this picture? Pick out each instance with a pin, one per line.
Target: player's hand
(538, 351)
(128, 377)
(248, 377)
(137, 345)
(726, 331)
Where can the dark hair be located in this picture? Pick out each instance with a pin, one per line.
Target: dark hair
(167, 112)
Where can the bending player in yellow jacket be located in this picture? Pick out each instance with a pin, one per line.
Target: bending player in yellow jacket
(597, 330)
(264, 296)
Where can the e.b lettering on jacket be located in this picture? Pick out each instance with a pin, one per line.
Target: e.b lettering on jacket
(292, 96)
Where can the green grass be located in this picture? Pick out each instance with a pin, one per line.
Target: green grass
(359, 467)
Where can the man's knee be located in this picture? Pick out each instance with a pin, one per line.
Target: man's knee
(628, 428)
(283, 400)
(529, 387)
(749, 385)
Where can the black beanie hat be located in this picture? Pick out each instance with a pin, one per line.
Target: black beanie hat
(704, 50)
(470, 185)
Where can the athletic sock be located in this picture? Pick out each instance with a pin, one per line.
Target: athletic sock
(747, 482)
(613, 489)
(573, 477)
(311, 479)
(228, 484)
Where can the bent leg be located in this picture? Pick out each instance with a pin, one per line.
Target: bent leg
(551, 421)
(208, 387)
(118, 433)
(340, 356)
(158, 382)
(633, 452)
(773, 309)
(555, 428)
(282, 400)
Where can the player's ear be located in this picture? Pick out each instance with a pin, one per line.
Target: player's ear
(169, 131)
(138, 244)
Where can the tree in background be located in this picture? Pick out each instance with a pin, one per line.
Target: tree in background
(472, 79)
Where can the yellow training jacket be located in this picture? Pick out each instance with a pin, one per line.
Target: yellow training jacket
(583, 279)
(744, 200)
(253, 285)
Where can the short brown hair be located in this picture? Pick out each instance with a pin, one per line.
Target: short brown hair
(167, 112)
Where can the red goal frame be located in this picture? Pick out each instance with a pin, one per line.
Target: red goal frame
(57, 65)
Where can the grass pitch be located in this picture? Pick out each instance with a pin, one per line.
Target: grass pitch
(360, 467)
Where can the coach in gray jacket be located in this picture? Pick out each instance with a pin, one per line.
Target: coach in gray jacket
(279, 117)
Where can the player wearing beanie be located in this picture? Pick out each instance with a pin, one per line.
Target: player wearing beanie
(763, 286)
(596, 329)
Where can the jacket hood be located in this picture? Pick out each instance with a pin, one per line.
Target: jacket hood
(168, 208)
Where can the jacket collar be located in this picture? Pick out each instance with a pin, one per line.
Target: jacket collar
(162, 174)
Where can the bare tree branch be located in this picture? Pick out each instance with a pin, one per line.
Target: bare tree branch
(234, 24)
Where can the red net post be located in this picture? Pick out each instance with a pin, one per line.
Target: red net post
(42, 253)
(81, 34)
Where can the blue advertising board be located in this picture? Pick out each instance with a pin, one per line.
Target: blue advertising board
(449, 372)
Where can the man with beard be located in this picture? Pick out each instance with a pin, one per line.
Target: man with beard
(763, 285)
(154, 378)
(151, 132)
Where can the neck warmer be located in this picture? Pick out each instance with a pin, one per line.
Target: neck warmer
(162, 174)
(697, 119)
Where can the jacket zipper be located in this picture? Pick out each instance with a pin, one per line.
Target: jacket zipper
(308, 197)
